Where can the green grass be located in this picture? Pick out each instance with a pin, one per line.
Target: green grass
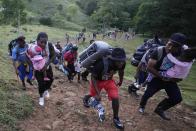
(14, 105)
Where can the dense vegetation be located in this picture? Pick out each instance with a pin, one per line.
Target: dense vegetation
(145, 16)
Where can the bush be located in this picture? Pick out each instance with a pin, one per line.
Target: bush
(45, 21)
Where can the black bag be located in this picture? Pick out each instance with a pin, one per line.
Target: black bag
(142, 49)
(11, 45)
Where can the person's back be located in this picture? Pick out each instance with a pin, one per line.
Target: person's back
(99, 67)
(70, 56)
(19, 53)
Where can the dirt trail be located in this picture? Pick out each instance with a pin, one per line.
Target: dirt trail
(64, 111)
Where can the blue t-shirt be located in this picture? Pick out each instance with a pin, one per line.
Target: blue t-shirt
(19, 54)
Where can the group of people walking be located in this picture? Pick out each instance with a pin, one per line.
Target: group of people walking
(164, 72)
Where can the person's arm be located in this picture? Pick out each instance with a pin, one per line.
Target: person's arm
(15, 67)
(28, 60)
(138, 70)
(174, 79)
(14, 58)
(151, 68)
(94, 82)
(95, 74)
(121, 75)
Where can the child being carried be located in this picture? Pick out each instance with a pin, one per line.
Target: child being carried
(176, 67)
(35, 54)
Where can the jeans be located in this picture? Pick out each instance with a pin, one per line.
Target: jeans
(171, 88)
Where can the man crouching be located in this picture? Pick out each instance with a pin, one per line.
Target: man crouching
(102, 77)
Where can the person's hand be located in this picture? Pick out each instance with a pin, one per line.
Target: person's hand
(65, 63)
(119, 83)
(171, 79)
(16, 71)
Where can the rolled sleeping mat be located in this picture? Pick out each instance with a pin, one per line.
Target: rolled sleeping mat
(89, 61)
(93, 48)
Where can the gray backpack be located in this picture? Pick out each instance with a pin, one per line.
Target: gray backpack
(93, 53)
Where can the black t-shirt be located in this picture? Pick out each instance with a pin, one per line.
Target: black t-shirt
(154, 55)
(98, 69)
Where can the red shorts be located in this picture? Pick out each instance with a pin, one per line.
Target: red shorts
(109, 86)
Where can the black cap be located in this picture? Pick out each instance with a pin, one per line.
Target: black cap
(179, 38)
(118, 54)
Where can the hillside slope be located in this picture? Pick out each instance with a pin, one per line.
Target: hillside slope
(64, 110)
(63, 13)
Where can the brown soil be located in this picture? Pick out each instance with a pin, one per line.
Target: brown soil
(64, 111)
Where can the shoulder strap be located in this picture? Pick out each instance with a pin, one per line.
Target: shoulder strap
(51, 49)
(105, 68)
(105, 65)
(17, 51)
(160, 52)
(50, 46)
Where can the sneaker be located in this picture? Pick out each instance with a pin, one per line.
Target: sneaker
(141, 110)
(118, 123)
(46, 94)
(29, 81)
(41, 101)
(46, 79)
(85, 101)
(161, 113)
(101, 112)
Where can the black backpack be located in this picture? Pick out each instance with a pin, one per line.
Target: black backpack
(142, 49)
(11, 45)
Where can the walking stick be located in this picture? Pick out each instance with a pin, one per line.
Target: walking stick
(17, 78)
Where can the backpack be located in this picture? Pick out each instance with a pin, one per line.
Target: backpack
(142, 49)
(67, 48)
(93, 53)
(146, 56)
(97, 51)
(11, 45)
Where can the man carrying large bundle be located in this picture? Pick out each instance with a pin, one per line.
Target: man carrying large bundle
(102, 78)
